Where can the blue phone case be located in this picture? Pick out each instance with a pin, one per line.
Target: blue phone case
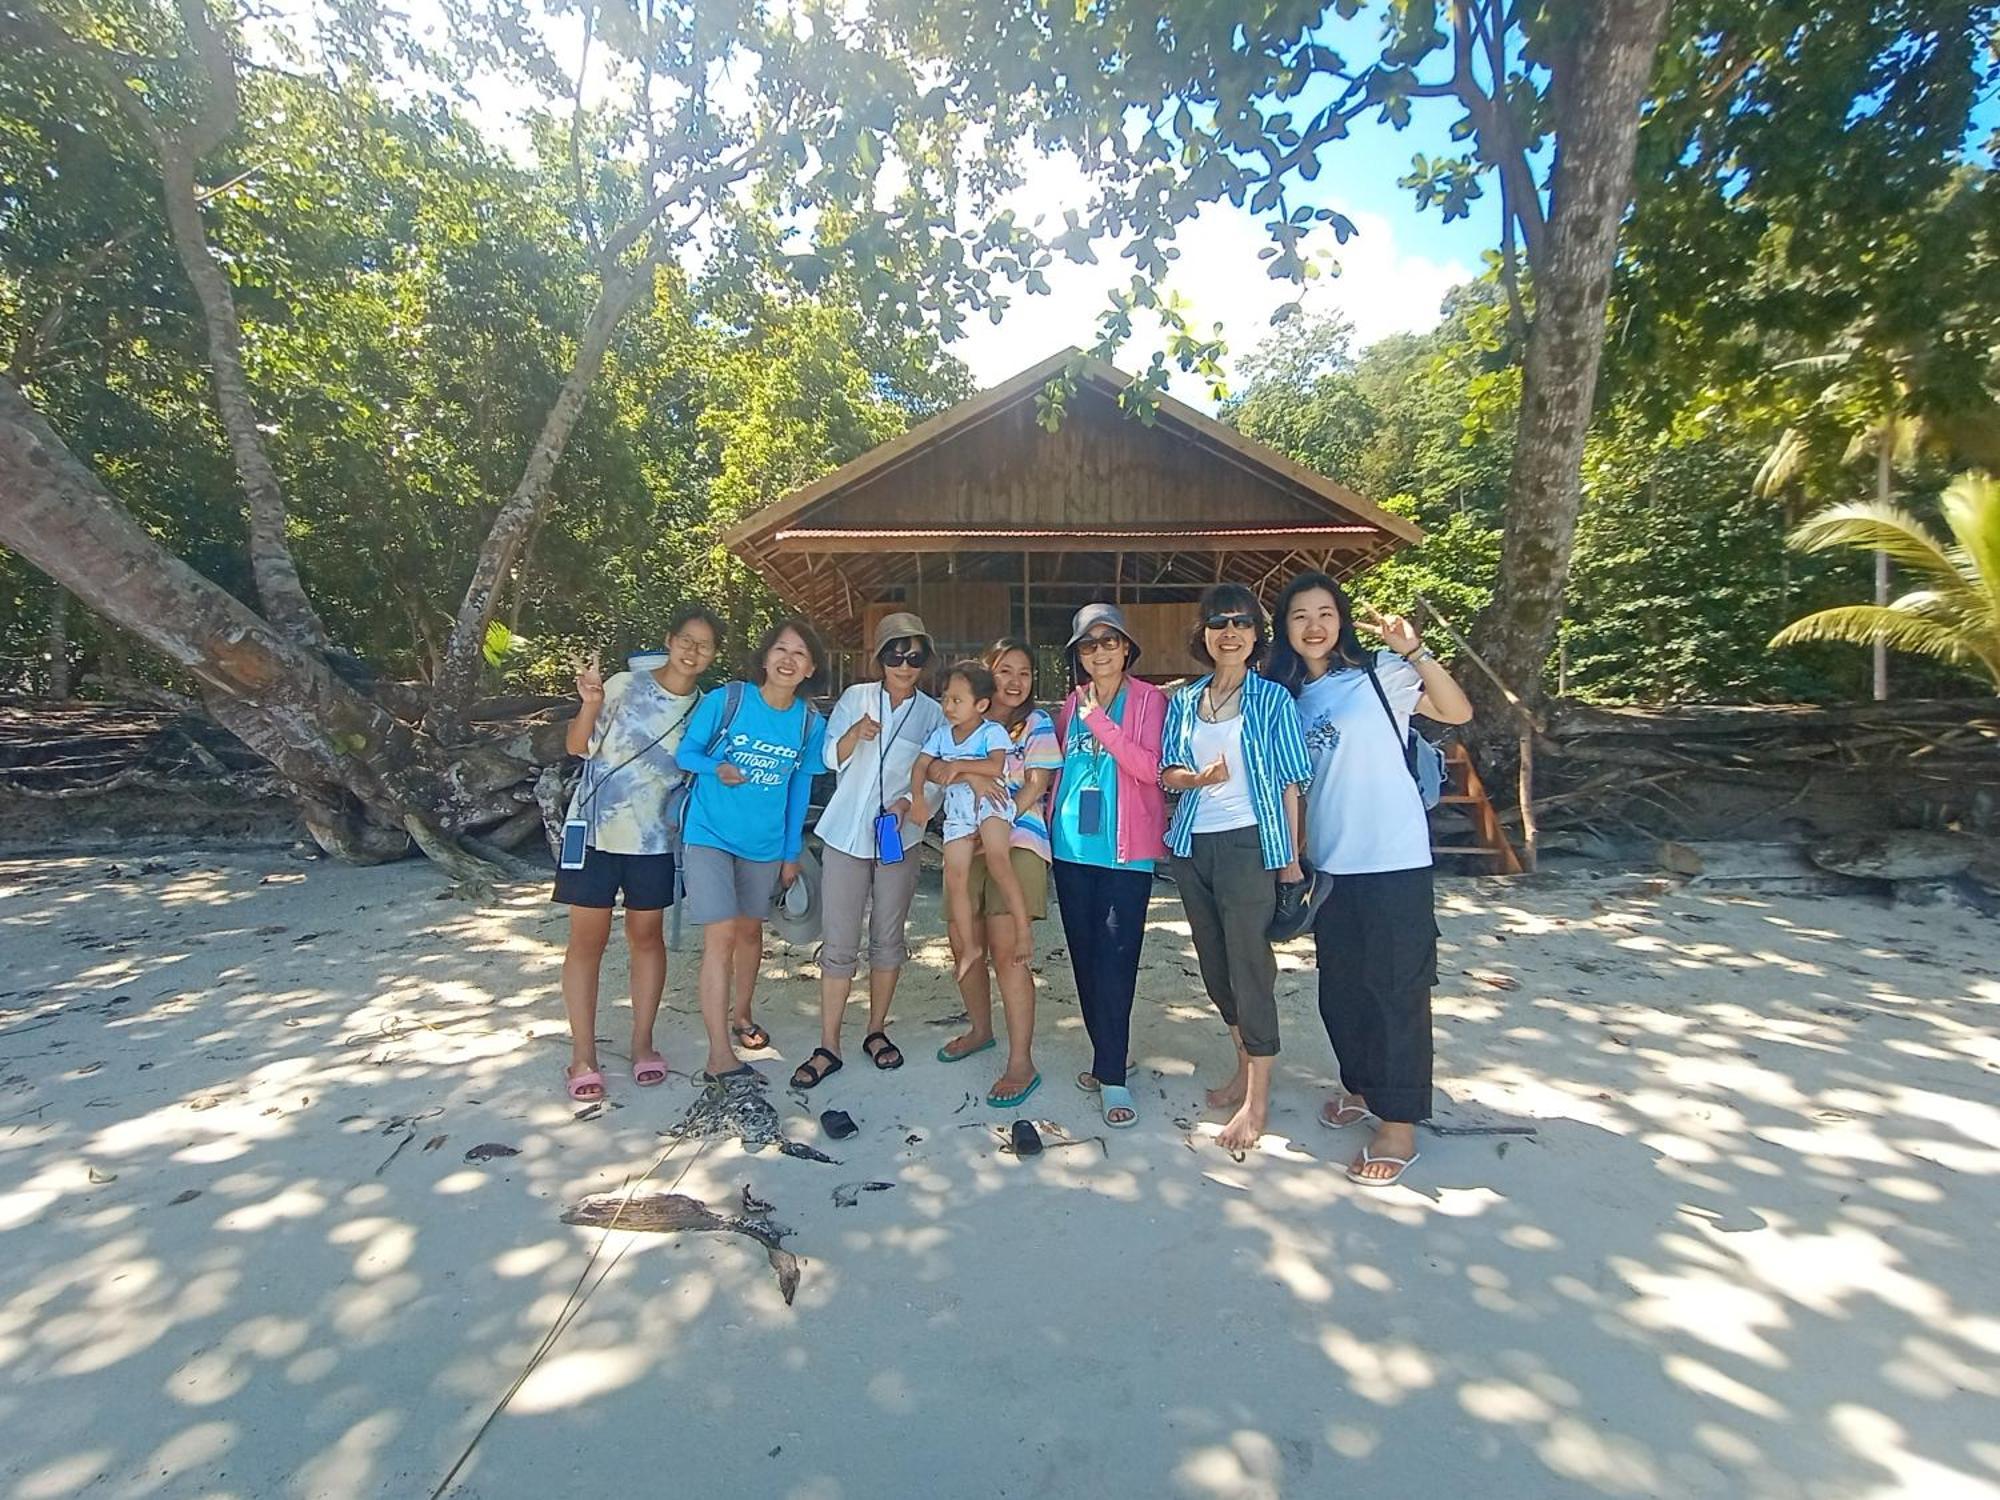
(889, 839)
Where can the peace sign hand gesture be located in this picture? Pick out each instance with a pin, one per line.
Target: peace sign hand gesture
(589, 680)
(1395, 631)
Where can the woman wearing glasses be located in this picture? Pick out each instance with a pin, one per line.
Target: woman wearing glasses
(870, 832)
(1375, 936)
(627, 729)
(1233, 751)
(1107, 831)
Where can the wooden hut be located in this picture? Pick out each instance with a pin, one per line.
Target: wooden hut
(987, 524)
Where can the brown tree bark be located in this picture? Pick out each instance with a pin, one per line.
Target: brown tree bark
(361, 773)
(59, 675)
(1597, 129)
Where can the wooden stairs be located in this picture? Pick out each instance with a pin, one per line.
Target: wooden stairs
(1464, 790)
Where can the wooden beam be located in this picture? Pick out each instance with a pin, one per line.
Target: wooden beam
(1001, 542)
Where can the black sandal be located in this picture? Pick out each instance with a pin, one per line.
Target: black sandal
(886, 1049)
(753, 1037)
(807, 1076)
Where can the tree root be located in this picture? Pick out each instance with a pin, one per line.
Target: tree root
(474, 877)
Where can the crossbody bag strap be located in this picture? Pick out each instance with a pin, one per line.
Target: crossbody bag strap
(1395, 729)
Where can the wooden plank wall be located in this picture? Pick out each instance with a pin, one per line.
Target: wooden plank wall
(1161, 631)
(1100, 468)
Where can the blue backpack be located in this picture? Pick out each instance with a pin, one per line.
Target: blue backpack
(1425, 760)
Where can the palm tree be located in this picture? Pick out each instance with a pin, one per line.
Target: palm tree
(1956, 616)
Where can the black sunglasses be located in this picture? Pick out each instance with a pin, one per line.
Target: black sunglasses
(905, 656)
(1227, 622)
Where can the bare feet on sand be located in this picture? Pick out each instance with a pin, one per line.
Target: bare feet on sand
(1243, 1131)
(1232, 1094)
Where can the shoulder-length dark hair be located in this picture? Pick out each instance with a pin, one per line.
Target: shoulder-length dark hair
(1002, 647)
(1229, 599)
(815, 682)
(1286, 667)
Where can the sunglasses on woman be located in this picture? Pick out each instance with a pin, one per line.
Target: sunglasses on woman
(1231, 622)
(1101, 642)
(905, 656)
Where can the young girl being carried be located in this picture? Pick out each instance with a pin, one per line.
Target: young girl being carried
(969, 739)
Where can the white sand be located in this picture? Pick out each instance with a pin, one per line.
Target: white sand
(1749, 1252)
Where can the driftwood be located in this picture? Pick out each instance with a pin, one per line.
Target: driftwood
(506, 786)
(1715, 769)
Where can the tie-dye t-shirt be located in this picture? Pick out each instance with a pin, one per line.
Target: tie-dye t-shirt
(624, 800)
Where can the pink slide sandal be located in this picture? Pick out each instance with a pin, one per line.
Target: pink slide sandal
(580, 1085)
(649, 1072)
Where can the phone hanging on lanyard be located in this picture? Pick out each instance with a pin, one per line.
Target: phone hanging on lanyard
(1090, 799)
(888, 825)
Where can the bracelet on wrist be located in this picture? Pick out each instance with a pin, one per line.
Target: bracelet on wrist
(1422, 653)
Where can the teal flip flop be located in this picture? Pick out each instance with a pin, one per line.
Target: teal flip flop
(945, 1054)
(1014, 1101)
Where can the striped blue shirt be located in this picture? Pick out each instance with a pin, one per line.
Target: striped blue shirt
(1274, 757)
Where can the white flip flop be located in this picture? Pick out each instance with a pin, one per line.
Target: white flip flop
(1369, 1159)
(1359, 1111)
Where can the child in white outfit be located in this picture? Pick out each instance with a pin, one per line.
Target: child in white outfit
(975, 746)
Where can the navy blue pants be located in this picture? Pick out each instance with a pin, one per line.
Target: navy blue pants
(1104, 921)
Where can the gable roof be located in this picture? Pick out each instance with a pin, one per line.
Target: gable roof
(1341, 504)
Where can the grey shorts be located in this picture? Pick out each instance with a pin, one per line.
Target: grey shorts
(721, 887)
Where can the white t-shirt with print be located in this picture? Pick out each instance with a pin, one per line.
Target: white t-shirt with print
(622, 798)
(878, 771)
(1364, 813)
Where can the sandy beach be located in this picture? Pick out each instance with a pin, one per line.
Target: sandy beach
(1737, 1241)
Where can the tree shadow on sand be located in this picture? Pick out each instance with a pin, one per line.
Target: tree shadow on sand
(1737, 1258)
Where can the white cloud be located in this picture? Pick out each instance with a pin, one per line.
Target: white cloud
(1381, 288)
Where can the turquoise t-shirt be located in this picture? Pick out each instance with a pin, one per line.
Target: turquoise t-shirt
(764, 818)
(1086, 764)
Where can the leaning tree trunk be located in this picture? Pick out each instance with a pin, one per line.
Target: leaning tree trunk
(457, 677)
(279, 588)
(58, 640)
(369, 784)
(1597, 127)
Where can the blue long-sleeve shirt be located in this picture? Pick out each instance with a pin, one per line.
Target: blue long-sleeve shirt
(765, 817)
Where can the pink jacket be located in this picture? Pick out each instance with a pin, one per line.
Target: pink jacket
(1135, 746)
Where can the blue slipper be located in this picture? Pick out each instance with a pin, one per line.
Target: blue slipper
(1014, 1101)
(1117, 1096)
(945, 1054)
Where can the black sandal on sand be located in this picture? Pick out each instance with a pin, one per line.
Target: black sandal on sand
(807, 1075)
(886, 1049)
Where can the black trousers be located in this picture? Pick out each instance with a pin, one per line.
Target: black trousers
(1104, 921)
(1376, 944)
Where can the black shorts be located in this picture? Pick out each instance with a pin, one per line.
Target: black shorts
(647, 880)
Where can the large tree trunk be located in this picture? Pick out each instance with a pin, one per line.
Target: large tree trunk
(1597, 126)
(279, 589)
(370, 785)
(59, 643)
(457, 677)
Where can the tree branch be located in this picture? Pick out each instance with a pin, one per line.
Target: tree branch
(583, 209)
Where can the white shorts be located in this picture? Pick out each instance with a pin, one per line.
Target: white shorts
(963, 814)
